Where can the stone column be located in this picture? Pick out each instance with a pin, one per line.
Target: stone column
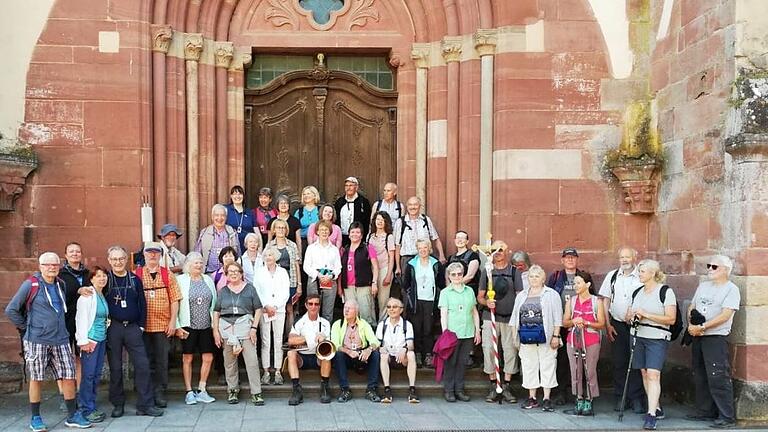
(451, 48)
(161, 42)
(236, 112)
(193, 47)
(485, 44)
(224, 51)
(420, 56)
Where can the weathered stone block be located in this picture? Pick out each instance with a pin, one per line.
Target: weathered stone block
(748, 326)
(58, 206)
(103, 119)
(585, 232)
(614, 94)
(52, 54)
(62, 166)
(82, 32)
(527, 196)
(688, 229)
(751, 399)
(46, 111)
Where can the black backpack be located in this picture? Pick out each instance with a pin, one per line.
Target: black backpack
(676, 328)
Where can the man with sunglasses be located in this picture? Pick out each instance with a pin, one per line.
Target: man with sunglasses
(309, 331)
(397, 350)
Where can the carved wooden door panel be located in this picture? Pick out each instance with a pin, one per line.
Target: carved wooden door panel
(317, 128)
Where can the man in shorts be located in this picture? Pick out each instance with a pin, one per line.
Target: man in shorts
(396, 336)
(309, 330)
(37, 310)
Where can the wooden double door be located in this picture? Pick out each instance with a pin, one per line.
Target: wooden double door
(317, 127)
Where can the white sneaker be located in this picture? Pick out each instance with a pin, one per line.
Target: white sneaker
(266, 378)
(190, 398)
(204, 397)
(278, 378)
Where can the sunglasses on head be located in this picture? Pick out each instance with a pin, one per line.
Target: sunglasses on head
(712, 266)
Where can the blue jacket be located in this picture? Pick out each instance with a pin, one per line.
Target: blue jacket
(43, 324)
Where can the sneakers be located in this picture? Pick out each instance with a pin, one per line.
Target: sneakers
(344, 396)
(257, 399)
(660, 413)
(650, 422)
(429, 361)
(387, 398)
(546, 405)
(586, 409)
(233, 397)
(118, 411)
(450, 396)
(266, 379)
(530, 403)
(507, 395)
(412, 397)
(204, 397)
(297, 396)
(190, 398)
(160, 400)
(77, 420)
(492, 395)
(96, 417)
(37, 424)
(723, 424)
(325, 392)
(460, 395)
(151, 412)
(278, 378)
(372, 395)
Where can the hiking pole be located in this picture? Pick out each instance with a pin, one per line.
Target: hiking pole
(489, 252)
(587, 410)
(633, 326)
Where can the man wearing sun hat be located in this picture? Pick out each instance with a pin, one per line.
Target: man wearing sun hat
(172, 258)
(352, 207)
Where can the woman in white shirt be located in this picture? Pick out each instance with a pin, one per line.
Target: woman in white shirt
(322, 264)
(273, 285)
(251, 259)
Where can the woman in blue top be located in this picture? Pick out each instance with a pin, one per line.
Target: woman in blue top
(240, 217)
(91, 324)
(308, 213)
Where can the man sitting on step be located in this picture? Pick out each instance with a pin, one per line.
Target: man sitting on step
(309, 331)
(396, 336)
(358, 348)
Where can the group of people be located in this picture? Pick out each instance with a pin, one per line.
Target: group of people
(405, 305)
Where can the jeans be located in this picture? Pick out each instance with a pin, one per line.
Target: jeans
(91, 364)
(342, 362)
(157, 346)
(128, 336)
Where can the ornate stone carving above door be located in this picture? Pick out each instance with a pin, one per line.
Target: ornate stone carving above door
(321, 14)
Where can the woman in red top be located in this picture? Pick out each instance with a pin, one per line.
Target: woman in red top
(584, 317)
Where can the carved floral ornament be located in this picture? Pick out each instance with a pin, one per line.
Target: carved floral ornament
(161, 37)
(193, 46)
(321, 14)
(451, 47)
(485, 41)
(224, 52)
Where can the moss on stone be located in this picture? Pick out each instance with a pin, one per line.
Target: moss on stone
(640, 143)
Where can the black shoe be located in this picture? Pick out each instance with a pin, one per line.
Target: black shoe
(372, 395)
(449, 397)
(387, 398)
(660, 413)
(151, 412)
(699, 417)
(118, 411)
(297, 396)
(492, 396)
(723, 424)
(508, 395)
(560, 399)
(325, 392)
(546, 406)
(460, 395)
(530, 403)
(160, 400)
(344, 396)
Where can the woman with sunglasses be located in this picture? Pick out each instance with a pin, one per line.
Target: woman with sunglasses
(459, 315)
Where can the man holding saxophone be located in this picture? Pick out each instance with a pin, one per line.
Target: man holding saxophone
(306, 334)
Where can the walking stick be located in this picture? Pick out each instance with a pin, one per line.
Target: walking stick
(588, 400)
(633, 326)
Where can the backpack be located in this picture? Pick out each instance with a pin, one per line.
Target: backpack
(399, 208)
(384, 329)
(404, 225)
(33, 292)
(676, 328)
(614, 276)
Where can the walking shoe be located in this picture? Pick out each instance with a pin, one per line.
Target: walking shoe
(492, 396)
(530, 403)
(546, 405)
(650, 422)
(279, 378)
(37, 424)
(419, 361)
(460, 395)
(723, 424)
(372, 395)
(507, 394)
(204, 397)
(118, 411)
(344, 396)
(297, 396)
(257, 399)
(233, 397)
(160, 400)
(77, 421)
(325, 392)
(578, 407)
(387, 398)
(699, 417)
(429, 361)
(660, 413)
(151, 412)
(587, 408)
(450, 396)
(96, 416)
(412, 397)
(190, 398)
(266, 379)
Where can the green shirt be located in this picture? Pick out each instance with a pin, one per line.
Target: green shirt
(460, 305)
(367, 335)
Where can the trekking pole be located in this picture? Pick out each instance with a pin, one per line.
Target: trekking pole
(633, 326)
(588, 400)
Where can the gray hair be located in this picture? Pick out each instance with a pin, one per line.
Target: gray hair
(538, 270)
(724, 261)
(45, 257)
(116, 248)
(521, 256)
(191, 258)
(352, 302)
(395, 300)
(254, 236)
(218, 207)
(632, 250)
(655, 267)
(424, 241)
(271, 251)
(455, 266)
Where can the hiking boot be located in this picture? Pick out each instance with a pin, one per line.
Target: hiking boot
(233, 397)
(450, 396)
(190, 398)
(257, 399)
(387, 398)
(297, 396)
(546, 405)
(650, 422)
(37, 424)
(325, 392)
(412, 397)
(266, 379)
(530, 403)
(344, 396)
(151, 412)
(118, 411)
(507, 394)
(492, 396)
(204, 397)
(460, 395)
(372, 395)
(586, 409)
(278, 378)
(76, 420)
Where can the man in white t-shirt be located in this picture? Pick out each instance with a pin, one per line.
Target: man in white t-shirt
(389, 203)
(717, 299)
(306, 334)
(396, 336)
(616, 291)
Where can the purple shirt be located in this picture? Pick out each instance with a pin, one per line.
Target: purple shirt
(220, 241)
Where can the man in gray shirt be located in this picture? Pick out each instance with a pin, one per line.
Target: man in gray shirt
(717, 299)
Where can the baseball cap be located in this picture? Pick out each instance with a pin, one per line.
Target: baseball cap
(153, 246)
(352, 179)
(570, 251)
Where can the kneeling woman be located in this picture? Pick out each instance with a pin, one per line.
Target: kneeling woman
(584, 317)
(91, 334)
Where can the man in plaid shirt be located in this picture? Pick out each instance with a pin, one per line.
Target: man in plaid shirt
(163, 295)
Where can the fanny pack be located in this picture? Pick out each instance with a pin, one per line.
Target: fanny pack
(532, 334)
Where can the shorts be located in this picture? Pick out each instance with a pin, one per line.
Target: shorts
(650, 353)
(393, 364)
(308, 361)
(198, 341)
(59, 358)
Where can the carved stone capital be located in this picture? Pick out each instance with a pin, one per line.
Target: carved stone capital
(161, 37)
(13, 175)
(193, 46)
(420, 55)
(485, 41)
(451, 47)
(246, 58)
(224, 51)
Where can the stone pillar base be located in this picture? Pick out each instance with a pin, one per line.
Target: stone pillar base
(751, 400)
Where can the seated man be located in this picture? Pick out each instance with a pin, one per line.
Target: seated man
(357, 347)
(309, 331)
(396, 336)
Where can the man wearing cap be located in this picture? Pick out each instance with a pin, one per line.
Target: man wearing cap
(562, 281)
(172, 258)
(352, 207)
(162, 296)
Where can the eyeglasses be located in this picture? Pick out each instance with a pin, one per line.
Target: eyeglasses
(313, 304)
(712, 266)
(455, 274)
(234, 272)
(393, 306)
(50, 265)
(119, 259)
